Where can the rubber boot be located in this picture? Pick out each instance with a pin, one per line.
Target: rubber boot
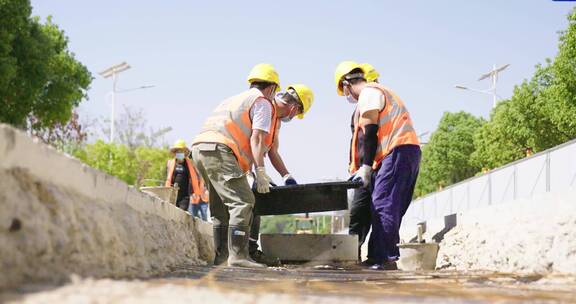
(220, 244)
(238, 248)
(259, 257)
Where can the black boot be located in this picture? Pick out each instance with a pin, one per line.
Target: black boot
(220, 244)
(259, 257)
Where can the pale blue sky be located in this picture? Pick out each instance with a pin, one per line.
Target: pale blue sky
(198, 53)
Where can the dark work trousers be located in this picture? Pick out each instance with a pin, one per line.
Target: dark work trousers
(360, 220)
(183, 202)
(393, 188)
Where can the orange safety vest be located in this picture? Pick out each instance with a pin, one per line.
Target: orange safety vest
(395, 128)
(195, 180)
(231, 125)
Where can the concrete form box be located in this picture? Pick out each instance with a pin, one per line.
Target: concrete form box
(303, 198)
(311, 247)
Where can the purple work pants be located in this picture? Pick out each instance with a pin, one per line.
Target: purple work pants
(393, 186)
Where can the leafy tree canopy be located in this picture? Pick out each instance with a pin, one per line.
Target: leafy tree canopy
(39, 76)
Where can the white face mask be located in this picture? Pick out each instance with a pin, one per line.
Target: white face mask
(351, 99)
(180, 156)
(289, 117)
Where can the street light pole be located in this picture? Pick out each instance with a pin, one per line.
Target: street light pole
(493, 75)
(494, 79)
(113, 114)
(113, 72)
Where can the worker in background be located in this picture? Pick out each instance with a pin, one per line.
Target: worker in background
(199, 204)
(240, 132)
(390, 157)
(179, 170)
(303, 96)
(360, 215)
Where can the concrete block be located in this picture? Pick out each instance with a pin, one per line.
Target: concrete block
(415, 256)
(311, 247)
(168, 194)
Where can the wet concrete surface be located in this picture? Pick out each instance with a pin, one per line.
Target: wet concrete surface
(307, 284)
(435, 286)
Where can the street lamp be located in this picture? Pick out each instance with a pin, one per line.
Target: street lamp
(112, 72)
(113, 93)
(421, 137)
(137, 88)
(493, 75)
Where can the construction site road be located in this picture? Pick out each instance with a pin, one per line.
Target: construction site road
(305, 284)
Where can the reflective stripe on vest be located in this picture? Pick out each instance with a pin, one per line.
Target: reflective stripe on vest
(395, 128)
(230, 124)
(195, 181)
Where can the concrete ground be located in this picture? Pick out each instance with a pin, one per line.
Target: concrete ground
(302, 284)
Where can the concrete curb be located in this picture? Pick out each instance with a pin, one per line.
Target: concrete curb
(62, 206)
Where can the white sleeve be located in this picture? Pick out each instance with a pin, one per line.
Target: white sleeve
(261, 115)
(370, 99)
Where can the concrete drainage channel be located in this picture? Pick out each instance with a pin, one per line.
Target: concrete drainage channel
(93, 239)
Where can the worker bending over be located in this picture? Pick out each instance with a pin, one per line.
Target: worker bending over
(390, 156)
(302, 96)
(241, 130)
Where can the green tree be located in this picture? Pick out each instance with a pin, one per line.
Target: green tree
(446, 157)
(540, 114)
(39, 76)
(142, 166)
(138, 158)
(277, 224)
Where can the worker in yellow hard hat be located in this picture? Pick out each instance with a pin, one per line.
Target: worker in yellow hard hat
(385, 156)
(370, 72)
(233, 141)
(360, 214)
(295, 101)
(180, 171)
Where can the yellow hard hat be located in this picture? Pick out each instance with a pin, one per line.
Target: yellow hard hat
(342, 69)
(370, 72)
(264, 72)
(179, 144)
(305, 95)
